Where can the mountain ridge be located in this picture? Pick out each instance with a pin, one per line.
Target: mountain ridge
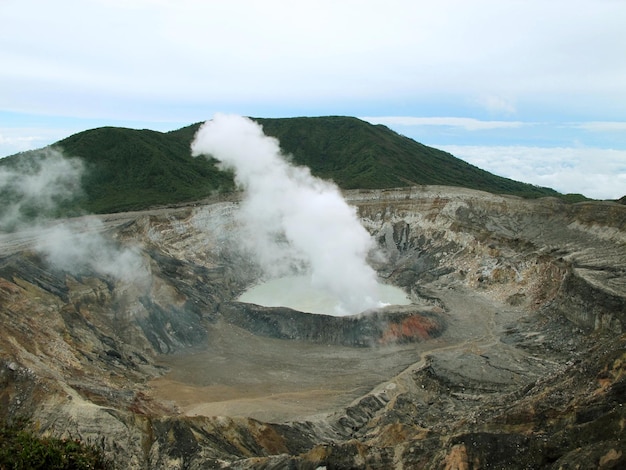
(130, 169)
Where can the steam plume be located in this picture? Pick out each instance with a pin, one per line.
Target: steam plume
(36, 185)
(291, 219)
(81, 247)
(33, 190)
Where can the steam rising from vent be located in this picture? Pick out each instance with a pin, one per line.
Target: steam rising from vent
(291, 220)
(33, 190)
(34, 187)
(79, 247)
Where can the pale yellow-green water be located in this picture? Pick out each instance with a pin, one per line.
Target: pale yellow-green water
(296, 292)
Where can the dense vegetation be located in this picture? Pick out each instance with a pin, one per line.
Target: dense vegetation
(356, 154)
(21, 450)
(134, 169)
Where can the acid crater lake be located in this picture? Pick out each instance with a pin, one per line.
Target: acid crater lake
(298, 293)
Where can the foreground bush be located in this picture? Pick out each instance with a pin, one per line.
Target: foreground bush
(19, 449)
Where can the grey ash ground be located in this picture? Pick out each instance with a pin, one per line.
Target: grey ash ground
(511, 354)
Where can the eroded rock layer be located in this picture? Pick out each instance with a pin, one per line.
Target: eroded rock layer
(511, 354)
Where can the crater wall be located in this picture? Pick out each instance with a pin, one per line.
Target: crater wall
(526, 303)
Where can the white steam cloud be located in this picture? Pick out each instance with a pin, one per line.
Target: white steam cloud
(32, 190)
(82, 248)
(293, 221)
(36, 185)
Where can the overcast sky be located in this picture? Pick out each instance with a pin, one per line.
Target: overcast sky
(530, 89)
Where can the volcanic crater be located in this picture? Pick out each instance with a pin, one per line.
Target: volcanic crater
(510, 352)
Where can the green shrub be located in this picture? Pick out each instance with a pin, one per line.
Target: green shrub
(21, 450)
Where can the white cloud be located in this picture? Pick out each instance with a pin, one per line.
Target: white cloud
(602, 126)
(15, 143)
(497, 104)
(596, 173)
(469, 124)
(182, 61)
(19, 139)
(96, 57)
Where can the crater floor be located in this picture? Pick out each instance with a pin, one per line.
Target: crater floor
(246, 375)
(241, 374)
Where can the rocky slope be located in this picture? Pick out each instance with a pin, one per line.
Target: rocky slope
(511, 354)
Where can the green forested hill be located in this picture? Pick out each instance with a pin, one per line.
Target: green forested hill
(356, 154)
(135, 169)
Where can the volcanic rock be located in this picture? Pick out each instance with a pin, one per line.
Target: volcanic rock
(510, 355)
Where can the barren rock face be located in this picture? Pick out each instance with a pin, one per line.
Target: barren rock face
(511, 354)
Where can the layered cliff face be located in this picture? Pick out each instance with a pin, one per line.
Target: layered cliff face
(511, 354)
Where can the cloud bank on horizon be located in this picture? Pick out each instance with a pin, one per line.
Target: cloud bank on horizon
(454, 74)
(596, 168)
